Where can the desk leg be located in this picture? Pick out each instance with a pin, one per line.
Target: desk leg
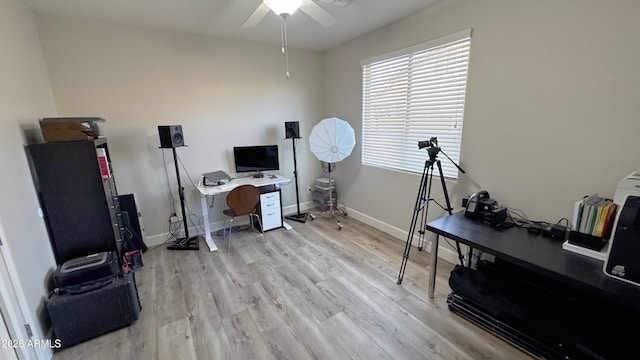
(434, 265)
(207, 228)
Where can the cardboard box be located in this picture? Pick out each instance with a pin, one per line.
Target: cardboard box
(67, 131)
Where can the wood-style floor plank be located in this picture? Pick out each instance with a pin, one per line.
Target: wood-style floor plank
(355, 340)
(312, 292)
(317, 340)
(177, 343)
(385, 334)
(245, 338)
(170, 305)
(261, 307)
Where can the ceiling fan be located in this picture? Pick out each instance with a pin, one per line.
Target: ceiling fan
(286, 8)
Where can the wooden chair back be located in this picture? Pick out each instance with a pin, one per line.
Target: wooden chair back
(243, 199)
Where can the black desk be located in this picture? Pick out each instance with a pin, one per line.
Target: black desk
(535, 253)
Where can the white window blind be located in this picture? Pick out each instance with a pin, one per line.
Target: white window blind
(412, 95)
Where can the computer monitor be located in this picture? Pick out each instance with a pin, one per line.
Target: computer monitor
(256, 158)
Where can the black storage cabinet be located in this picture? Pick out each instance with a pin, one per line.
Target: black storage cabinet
(80, 207)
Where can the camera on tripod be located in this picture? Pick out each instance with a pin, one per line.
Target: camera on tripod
(432, 147)
(421, 207)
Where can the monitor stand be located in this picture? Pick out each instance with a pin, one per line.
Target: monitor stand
(258, 175)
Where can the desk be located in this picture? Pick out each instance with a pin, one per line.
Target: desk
(551, 302)
(222, 189)
(535, 253)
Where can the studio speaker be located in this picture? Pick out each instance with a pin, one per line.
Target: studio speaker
(291, 129)
(170, 136)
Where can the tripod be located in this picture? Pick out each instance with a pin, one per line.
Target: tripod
(186, 243)
(421, 207)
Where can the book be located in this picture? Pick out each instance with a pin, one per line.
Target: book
(596, 210)
(587, 215)
(578, 208)
(602, 216)
(608, 222)
(104, 163)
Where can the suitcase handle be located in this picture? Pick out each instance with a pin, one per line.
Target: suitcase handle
(81, 289)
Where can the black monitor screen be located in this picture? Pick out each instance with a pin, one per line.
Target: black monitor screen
(256, 158)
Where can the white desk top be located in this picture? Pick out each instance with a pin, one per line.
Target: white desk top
(232, 184)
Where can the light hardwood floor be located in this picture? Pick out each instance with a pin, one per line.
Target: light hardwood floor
(312, 292)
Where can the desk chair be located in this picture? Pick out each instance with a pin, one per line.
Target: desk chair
(243, 200)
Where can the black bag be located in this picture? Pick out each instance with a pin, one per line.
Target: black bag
(132, 239)
(506, 293)
(132, 244)
(85, 311)
(87, 268)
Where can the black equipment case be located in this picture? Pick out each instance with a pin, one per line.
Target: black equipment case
(542, 315)
(86, 268)
(88, 310)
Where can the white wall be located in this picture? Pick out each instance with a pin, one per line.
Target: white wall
(25, 96)
(224, 93)
(551, 110)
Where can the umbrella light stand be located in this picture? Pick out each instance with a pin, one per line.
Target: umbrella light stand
(332, 208)
(331, 141)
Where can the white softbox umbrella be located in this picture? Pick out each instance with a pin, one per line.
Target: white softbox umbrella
(332, 140)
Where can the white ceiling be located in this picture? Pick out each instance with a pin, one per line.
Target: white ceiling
(224, 18)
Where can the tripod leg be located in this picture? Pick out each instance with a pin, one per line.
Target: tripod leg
(407, 246)
(449, 208)
(423, 219)
(417, 209)
(427, 198)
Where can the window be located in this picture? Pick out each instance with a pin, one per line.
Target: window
(412, 95)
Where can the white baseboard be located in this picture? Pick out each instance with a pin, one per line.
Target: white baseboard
(444, 252)
(293, 209)
(159, 239)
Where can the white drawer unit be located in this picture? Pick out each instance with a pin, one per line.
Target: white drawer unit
(270, 210)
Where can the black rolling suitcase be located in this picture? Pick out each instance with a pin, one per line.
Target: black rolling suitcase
(86, 268)
(88, 310)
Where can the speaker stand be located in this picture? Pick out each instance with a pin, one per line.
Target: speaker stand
(185, 243)
(299, 217)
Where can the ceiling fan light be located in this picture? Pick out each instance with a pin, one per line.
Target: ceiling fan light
(282, 7)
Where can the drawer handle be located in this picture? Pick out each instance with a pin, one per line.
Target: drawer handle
(271, 214)
(269, 196)
(271, 204)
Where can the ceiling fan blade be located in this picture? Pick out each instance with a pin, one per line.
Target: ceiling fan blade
(256, 17)
(317, 13)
